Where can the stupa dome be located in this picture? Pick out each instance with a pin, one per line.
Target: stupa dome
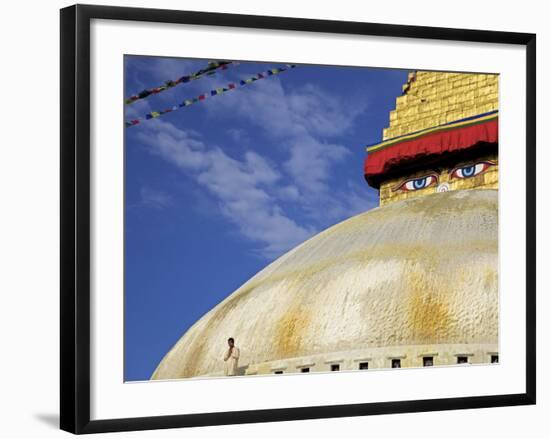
(412, 278)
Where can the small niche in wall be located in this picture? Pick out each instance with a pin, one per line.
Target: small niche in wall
(427, 361)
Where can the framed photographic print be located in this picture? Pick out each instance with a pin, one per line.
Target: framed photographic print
(268, 218)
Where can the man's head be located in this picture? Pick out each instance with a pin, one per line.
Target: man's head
(231, 342)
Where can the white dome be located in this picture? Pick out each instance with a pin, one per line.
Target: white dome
(419, 272)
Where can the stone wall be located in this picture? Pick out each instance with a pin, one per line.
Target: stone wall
(435, 98)
(380, 358)
(375, 358)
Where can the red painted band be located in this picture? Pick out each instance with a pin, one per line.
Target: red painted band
(380, 162)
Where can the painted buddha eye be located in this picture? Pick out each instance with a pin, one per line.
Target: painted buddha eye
(416, 184)
(471, 170)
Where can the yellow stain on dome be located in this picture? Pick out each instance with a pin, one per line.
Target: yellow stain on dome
(289, 330)
(428, 313)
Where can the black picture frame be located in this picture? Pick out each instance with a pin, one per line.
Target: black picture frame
(75, 217)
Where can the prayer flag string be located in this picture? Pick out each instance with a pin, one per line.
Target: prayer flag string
(211, 93)
(209, 71)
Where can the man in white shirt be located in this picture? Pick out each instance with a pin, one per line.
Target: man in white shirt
(231, 358)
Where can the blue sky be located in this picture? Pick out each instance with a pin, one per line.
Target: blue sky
(218, 190)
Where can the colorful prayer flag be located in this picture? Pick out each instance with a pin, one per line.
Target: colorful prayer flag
(217, 91)
(209, 70)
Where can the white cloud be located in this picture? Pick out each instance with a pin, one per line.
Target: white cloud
(305, 122)
(287, 113)
(301, 121)
(239, 136)
(310, 162)
(320, 112)
(161, 69)
(241, 187)
(289, 193)
(137, 109)
(154, 198)
(183, 148)
(250, 190)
